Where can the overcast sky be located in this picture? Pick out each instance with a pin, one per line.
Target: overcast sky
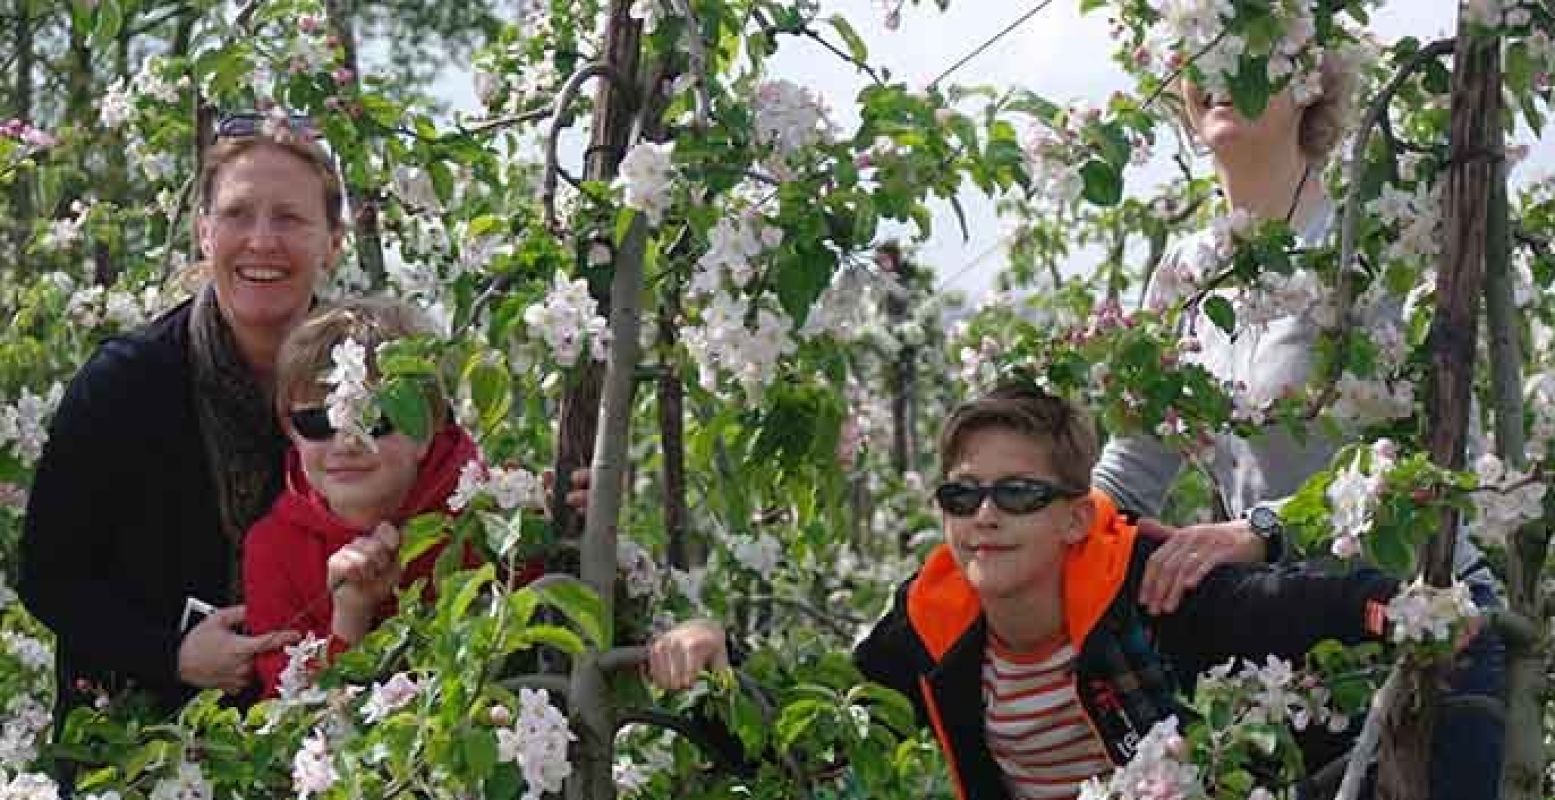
(1059, 54)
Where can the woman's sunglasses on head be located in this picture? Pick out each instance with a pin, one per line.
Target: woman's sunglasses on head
(253, 123)
(963, 498)
(313, 424)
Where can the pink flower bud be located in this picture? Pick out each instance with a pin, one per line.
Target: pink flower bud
(308, 23)
(864, 160)
(343, 76)
(332, 40)
(1142, 56)
(500, 715)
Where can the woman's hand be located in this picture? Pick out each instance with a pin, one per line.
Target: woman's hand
(362, 576)
(216, 655)
(682, 653)
(1188, 554)
(577, 489)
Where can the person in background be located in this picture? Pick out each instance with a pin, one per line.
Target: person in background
(1269, 167)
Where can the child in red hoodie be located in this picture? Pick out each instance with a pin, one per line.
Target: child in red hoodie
(334, 522)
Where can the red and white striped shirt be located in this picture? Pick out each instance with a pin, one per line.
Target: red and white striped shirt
(1035, 726)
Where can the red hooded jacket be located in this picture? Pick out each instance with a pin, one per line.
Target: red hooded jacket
(286, 553)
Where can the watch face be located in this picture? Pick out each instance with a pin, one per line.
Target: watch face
(1263, 520)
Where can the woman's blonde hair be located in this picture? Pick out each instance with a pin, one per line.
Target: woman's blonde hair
(1323, 121)
(227, 150)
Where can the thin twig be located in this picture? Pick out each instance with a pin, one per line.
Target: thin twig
(837, 623)
(564, 98)
(497, 123)
(1352, 210)
(845, 56)
(1008, 29)
(175, 223)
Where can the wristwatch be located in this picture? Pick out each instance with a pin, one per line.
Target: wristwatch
(1266, 525)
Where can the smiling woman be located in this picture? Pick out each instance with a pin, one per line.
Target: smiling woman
(170, 437)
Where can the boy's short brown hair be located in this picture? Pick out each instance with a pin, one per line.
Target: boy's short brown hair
(305, 356)
(1062, 429)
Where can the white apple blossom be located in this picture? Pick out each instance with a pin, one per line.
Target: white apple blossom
(296, 687)
(350, 397)
(537, 743)
(1154, 773)
(567, 319)
(1368, 401)
(26, 720)
(732, 247)
(645, 178)
(187, 783)
(515, 488)
(1424, 613)
(25, 423)
(1505, 500)
(313, 769)
(472, 481)
(724, 343)
(117, 105)
(31, 653)
(387, 698)
(630, 777)
(29, 786)
(1352, 497)
(649, 12)
(789, 117)
(760, 553)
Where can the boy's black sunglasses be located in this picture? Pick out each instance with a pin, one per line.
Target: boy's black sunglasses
(252, 123)
(313, 424)
(1010, 495)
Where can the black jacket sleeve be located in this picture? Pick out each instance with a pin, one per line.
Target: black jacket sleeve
(890, 653)
(1255, 610)
(81, 515)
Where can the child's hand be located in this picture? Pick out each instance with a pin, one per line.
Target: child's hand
(362, 575)
(677, 657)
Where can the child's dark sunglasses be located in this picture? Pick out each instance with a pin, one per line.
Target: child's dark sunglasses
(1010, 495)
(313, 424)
(251, 123)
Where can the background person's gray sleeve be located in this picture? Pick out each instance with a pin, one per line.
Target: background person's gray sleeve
(1136, 472)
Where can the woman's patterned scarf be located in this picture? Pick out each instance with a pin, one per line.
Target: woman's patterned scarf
(243, 440)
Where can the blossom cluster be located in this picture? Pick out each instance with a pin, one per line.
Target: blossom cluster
(733, 245)
(1353, 495)
(646, 179)
(313, 769)
(28, 134)
(388, 697)
(1158, 771)
(350, 397)
(303, 660)
(188, 782)
(638, 568)
(26, 720)
(511, 488)
(1276, 693)
(725, 342)
(567, 319)
(1206, 30)
(94, 305)
(27, 786)
(1424, 613)
(24, 424)
(760, 553)
(1505, 500)
(789, 117)
(1416, 217)
(119, 104)
(537, 742)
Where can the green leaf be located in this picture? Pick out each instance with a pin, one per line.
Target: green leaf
(563, 639)
(801, 277)
(491, 389)
(1250, 90)
(1103, 183)
(477, 580)
(521, 607)
(406, 406)
(856, 47)
(110, 19)
(421, 534)
(479, 748)
(1220, 312)
(1391, 551)
(580, 605)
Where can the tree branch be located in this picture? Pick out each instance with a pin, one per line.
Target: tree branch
(1352, 210)
(564, 98)
(696, 53)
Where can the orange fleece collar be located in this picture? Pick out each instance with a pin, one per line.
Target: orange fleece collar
(942, 605)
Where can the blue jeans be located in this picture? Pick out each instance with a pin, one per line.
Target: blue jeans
(1467, 746)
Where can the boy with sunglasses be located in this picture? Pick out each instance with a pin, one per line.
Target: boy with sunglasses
(1021, 642)
(324, 560)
